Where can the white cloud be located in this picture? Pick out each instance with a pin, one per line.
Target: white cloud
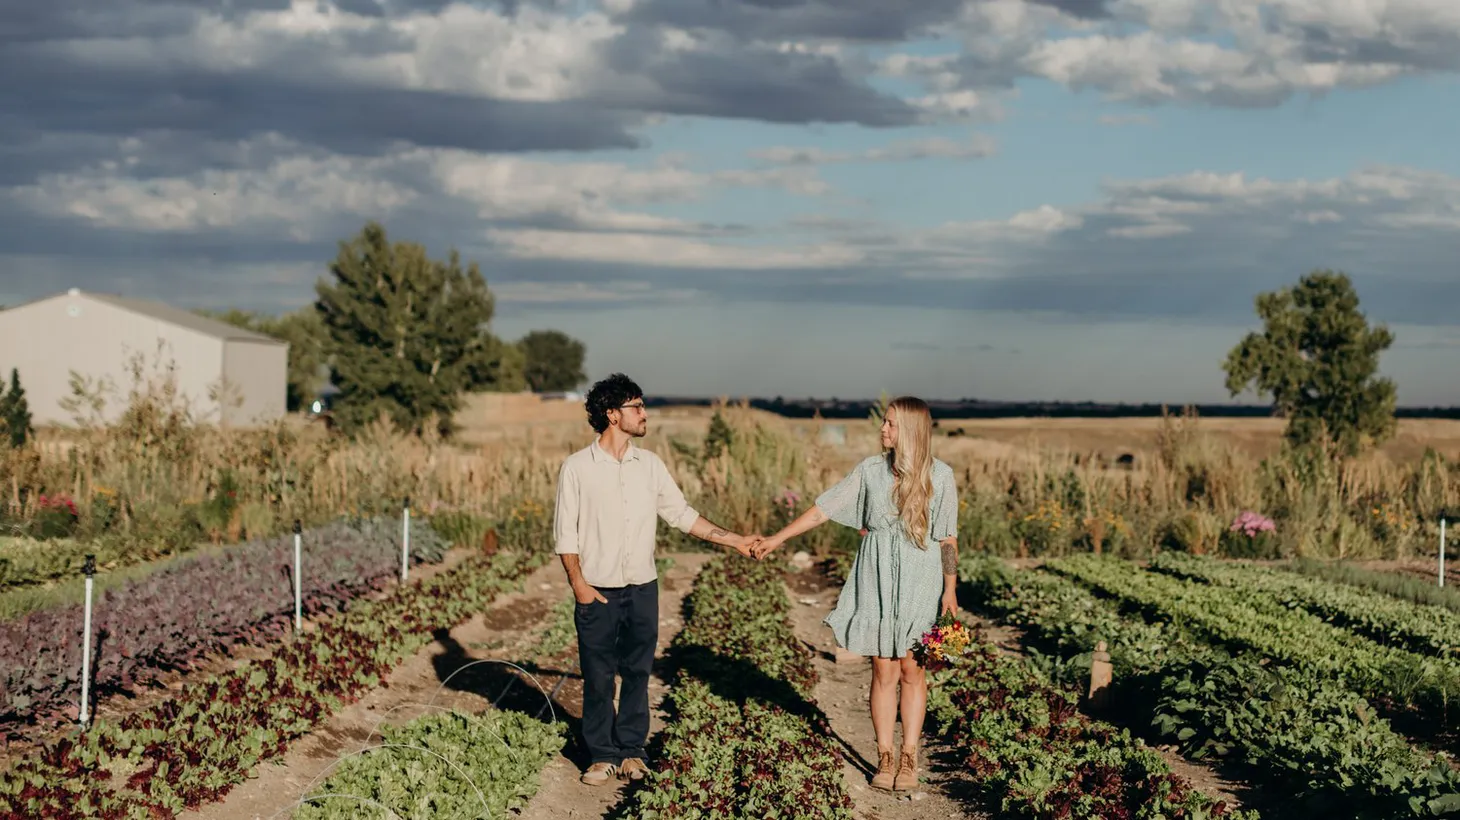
(505, 187)
(976, 147)
(615, 291)
(290, 195)
(665, 251)
(1222, 52)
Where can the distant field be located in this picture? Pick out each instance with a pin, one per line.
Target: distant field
(493, 417)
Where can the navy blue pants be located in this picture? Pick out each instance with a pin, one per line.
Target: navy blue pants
(617, 638)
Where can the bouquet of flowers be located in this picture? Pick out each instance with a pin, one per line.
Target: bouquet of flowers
(944, 643)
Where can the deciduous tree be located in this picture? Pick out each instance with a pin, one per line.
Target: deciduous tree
(553, 360)
(403, 331)
(1318, 358)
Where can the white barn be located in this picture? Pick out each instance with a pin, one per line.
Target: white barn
(225, 373)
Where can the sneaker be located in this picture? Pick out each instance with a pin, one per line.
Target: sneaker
(633, 769)
(598, 774)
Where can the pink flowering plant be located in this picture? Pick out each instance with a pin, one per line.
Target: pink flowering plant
(786, 504)
(1250, 535)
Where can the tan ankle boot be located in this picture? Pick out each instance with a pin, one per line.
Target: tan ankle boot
(907, 772)
(884, 777)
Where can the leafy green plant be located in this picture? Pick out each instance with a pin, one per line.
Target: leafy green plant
(443, 765)
(1320, 747)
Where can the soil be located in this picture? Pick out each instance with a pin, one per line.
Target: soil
(562, 795)
(438, 676)
(842, 694)
(947, 793)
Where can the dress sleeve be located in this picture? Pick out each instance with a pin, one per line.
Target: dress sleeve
(846, 501)
(945, 514)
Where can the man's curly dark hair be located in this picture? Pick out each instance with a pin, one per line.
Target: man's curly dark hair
(609, 394)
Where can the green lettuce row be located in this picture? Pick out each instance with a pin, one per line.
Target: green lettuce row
(1318, 746)
(449, 764)
(1420, 628)
(1239, 620)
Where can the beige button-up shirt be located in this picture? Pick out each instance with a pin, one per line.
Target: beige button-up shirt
(606, 512)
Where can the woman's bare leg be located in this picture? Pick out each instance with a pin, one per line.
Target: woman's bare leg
(883, 699)
(914, 702)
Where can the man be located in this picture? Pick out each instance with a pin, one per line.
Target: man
(608, 496)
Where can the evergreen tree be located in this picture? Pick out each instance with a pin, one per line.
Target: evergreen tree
(554, 360)
(1318, 359)
(15, 413)
(403, 331)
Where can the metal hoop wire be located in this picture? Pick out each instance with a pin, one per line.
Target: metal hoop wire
(535, 682)
(318, 797)
(475, 719)
(486, 809)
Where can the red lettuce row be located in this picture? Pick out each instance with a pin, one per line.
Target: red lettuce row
(1036, 756)
(744, 737)
(197, 606)
(193, 748)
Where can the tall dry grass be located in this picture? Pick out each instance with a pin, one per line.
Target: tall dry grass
(158, 481)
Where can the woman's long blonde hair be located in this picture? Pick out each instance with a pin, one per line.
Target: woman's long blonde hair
(912, 465)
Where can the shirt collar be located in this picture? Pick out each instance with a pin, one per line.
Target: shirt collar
(600, 454)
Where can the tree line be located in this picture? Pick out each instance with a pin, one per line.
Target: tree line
(407, 336)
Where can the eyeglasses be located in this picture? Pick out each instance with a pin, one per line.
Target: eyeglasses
(634, 406)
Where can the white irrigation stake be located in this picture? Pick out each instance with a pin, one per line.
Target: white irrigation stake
(298, 582)
(405, 539)
(88, 567)
(1442, 550)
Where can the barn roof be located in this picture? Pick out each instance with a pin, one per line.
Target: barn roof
(173, 316)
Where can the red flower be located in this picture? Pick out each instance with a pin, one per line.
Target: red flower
(58, 502)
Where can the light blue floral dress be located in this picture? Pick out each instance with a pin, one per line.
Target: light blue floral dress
(894, 589)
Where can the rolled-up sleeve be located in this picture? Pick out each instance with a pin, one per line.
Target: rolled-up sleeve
(566, 540)
(669, 501)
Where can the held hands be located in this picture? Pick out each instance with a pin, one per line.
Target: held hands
(764, 547)
(745, 544)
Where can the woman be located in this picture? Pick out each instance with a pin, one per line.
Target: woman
(903, 576)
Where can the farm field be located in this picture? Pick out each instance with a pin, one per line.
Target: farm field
(1305, 667)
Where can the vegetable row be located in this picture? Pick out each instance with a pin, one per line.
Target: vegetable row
(452, 764)
(1034, 755)
(194, 607)
(1247, 620)
(1421, 628)
(743, 737)
(192, 748)
(1318, 746)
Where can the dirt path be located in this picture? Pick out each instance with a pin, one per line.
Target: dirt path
(561, 795)
(511, 630)
(842, 695)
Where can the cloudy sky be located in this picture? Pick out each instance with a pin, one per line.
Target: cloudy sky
(1008, 199)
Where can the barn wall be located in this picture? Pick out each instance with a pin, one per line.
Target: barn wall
(257, 376)
(48, 339)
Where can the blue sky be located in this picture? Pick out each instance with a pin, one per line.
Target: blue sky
(1005, 199)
